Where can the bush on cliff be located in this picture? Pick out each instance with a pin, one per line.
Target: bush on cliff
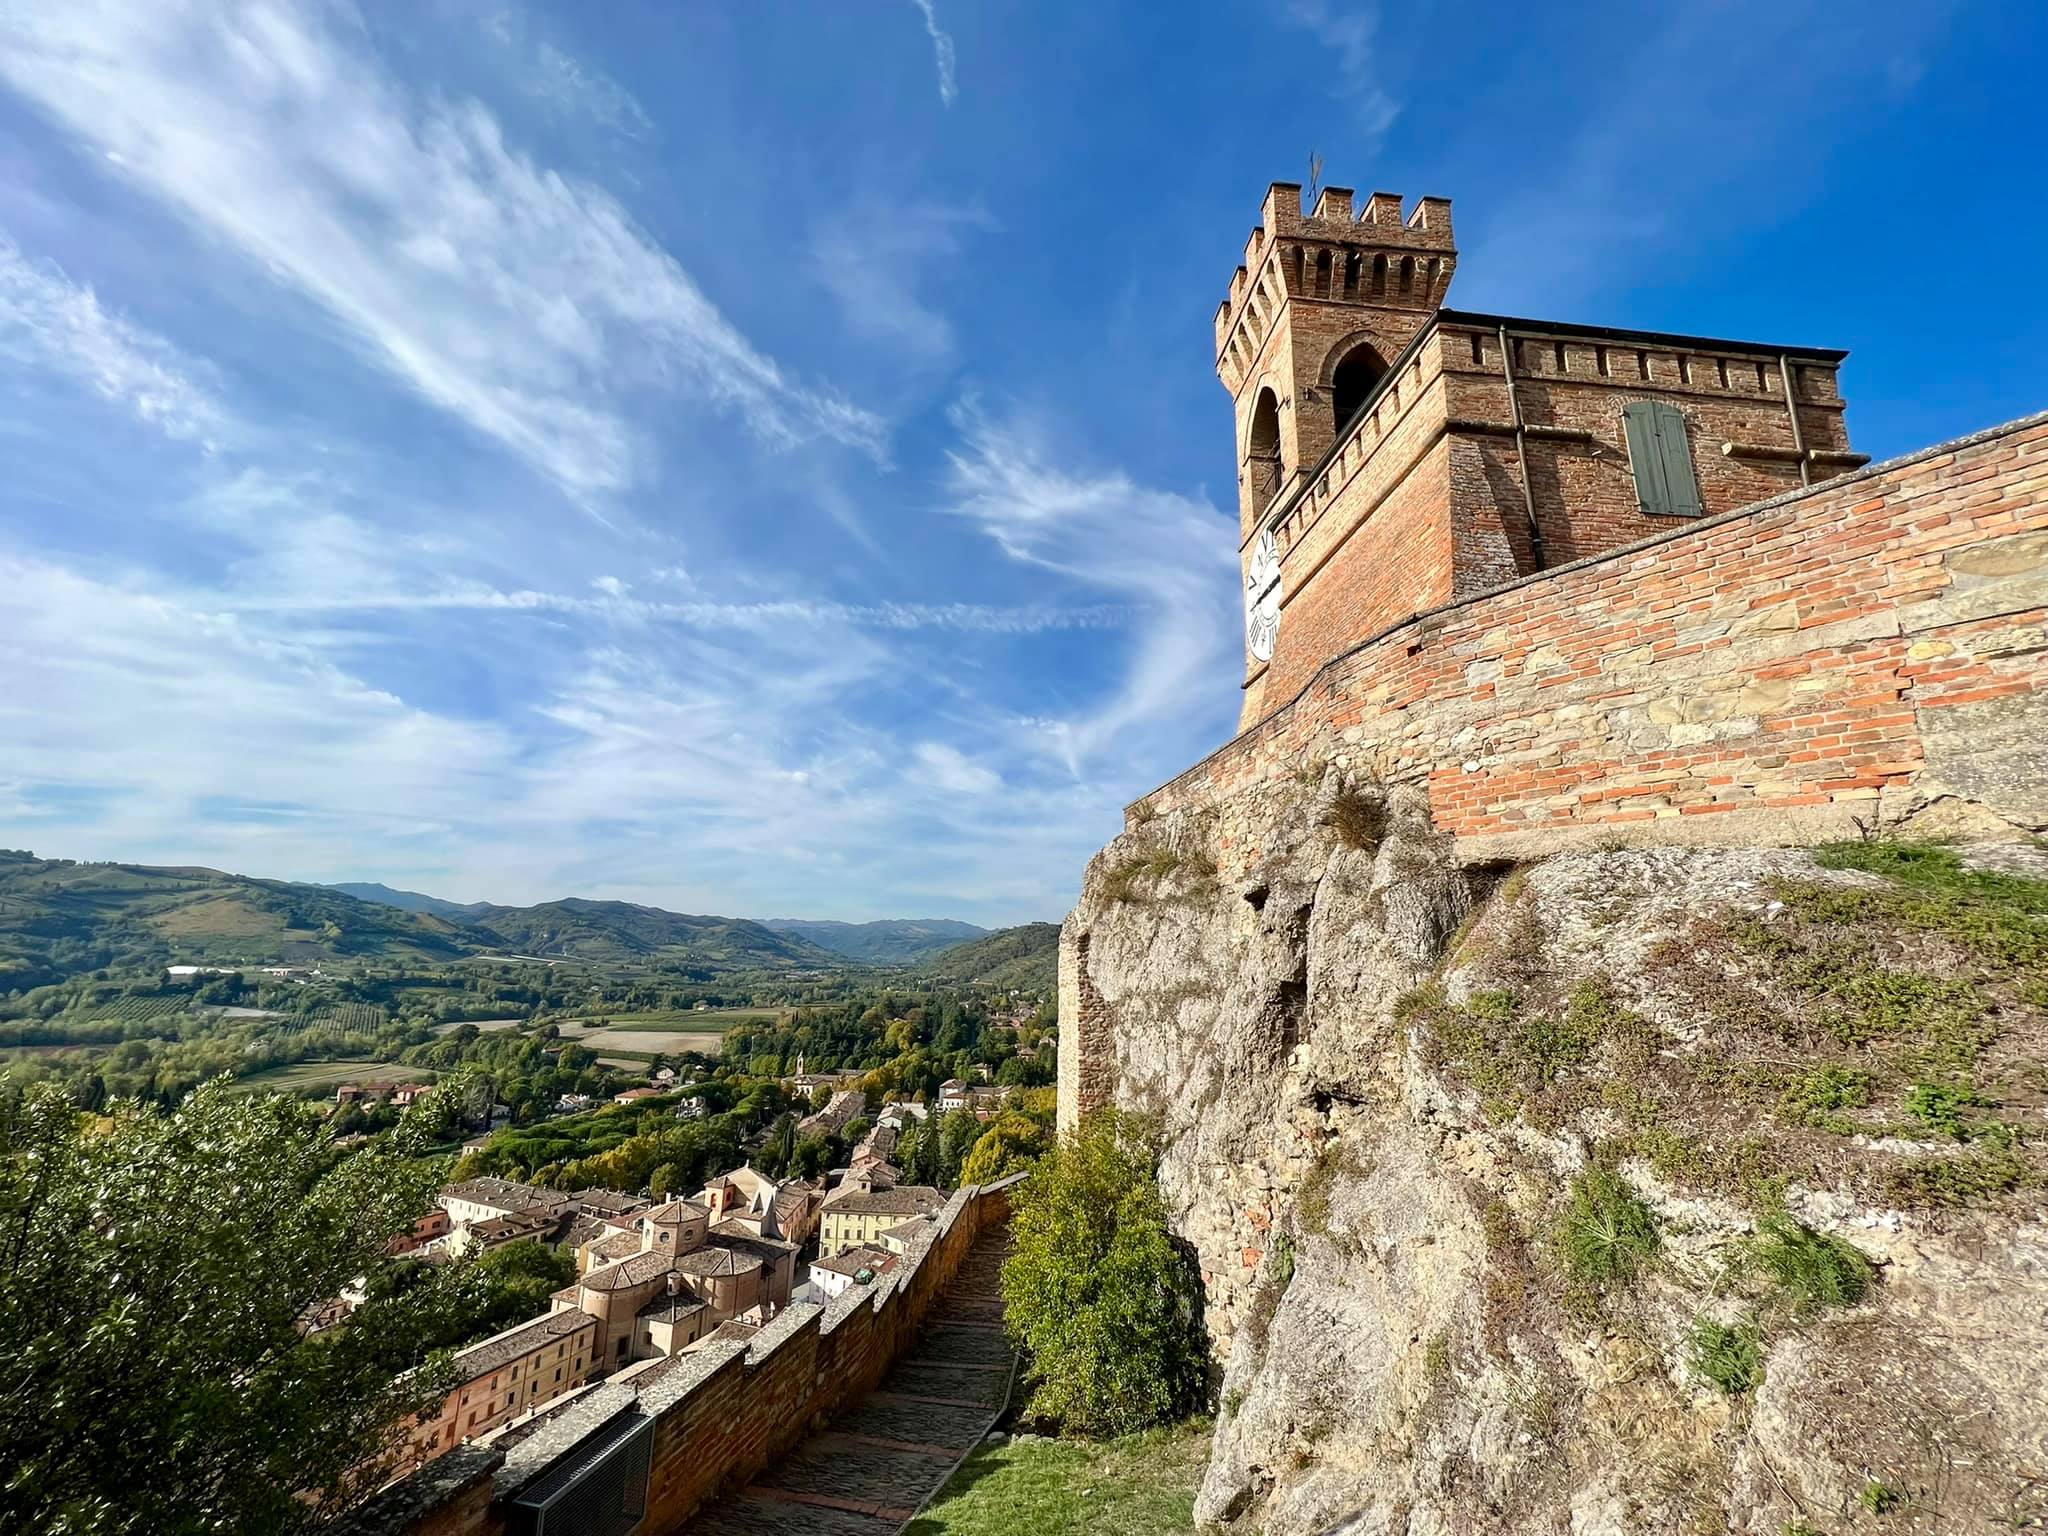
(1103, 1300)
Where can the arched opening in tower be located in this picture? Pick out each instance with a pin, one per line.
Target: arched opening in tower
(1352, 383)
(1262, 451)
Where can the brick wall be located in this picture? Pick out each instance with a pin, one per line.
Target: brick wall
(1423, 499)
(1781, 669)
(721, 1414)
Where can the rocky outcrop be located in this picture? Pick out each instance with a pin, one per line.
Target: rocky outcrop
(1632, 1190)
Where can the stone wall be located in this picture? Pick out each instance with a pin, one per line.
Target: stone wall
(721, 1414)
(1846, 654)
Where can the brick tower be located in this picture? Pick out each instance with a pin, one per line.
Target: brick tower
(1395, 455)
(1320, 307)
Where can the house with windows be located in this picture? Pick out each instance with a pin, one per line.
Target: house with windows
(854, 1216)
(507, 1375)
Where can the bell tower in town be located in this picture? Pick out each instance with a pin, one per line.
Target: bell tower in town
(1323, 303)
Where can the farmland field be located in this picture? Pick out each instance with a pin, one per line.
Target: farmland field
(133, 1009)
(644, 1039)
(484, 1026)
(302, 1075)
(717, 1020)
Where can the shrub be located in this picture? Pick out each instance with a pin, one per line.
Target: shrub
(1358, 819)
(1103, 1301)
(1730, 1356)
(1881, 1498)
(1811, 1270)
(1946, 1108)
(1608, 1235)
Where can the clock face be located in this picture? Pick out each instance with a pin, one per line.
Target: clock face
(1262, 598)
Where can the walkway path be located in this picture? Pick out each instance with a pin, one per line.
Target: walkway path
(867, 1474)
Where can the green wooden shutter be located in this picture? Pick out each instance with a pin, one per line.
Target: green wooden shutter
(1661, 458)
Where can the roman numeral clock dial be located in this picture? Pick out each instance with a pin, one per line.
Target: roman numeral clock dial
(1262, 598)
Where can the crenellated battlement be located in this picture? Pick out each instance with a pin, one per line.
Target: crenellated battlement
(1374, 256)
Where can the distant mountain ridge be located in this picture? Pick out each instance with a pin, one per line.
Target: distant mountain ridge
(59, 917)
(889, 940)
(409, 901)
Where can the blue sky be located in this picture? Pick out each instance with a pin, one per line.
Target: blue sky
(766, 458)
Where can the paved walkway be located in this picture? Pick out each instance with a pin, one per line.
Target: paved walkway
(866, 1475)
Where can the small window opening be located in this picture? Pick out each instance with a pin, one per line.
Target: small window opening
(1379, 274)
(1600, 362)
(1721, 371)
(1323, 268)
(1642, 365)
(1558, 352)
(1684, 369)
(1763, 379)
(1407, 274)
(1478, 349)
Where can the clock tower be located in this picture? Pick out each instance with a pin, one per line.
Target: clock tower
(1323, 303)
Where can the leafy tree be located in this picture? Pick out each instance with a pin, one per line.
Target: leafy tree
(1012, 1141)
(1102, 1299)
(956, 1136)
(155, 1271)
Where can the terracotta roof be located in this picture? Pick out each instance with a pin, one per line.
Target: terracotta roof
(503, 1195)
(502, 1349)
(904, 1200)
(904, 1232)
(627, 1273)
(609, 1202)
(671, 1309)
(854, 1260)
(715, 1260)
(618, 1245)
(675, 1210)
(737, 1236)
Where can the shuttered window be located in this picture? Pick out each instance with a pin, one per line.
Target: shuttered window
(1662, 461)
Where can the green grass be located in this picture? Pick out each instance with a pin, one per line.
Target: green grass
(1731, 1356)
(1608, 1236)
(711, 1019)
(1809, 1269)
(1142, 1485)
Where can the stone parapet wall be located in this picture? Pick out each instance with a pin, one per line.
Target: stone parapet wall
(722, 1413)
(1848, 654)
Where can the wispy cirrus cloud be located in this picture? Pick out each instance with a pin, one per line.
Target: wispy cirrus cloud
(525, 302)
(1351, 35)
(942, 51)
(49, 321)
(1169, 557)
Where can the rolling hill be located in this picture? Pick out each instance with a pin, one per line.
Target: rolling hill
(58, 917)
(622, 931)
(890, 941)
(1025, 958)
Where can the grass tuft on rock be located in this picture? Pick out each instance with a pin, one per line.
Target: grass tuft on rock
(1608, 1236)
(1810, 1270)
(1730, 1355)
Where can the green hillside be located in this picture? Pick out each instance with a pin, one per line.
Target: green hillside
(58, 918)
(1021, 959)
(889, 941)
(619, 931)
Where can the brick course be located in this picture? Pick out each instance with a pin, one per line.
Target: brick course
(1792, 658)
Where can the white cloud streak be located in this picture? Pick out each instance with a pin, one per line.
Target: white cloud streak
(522, 301)
(942, 51)
(1349, 34)
(49, 321)
(1170, 557)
